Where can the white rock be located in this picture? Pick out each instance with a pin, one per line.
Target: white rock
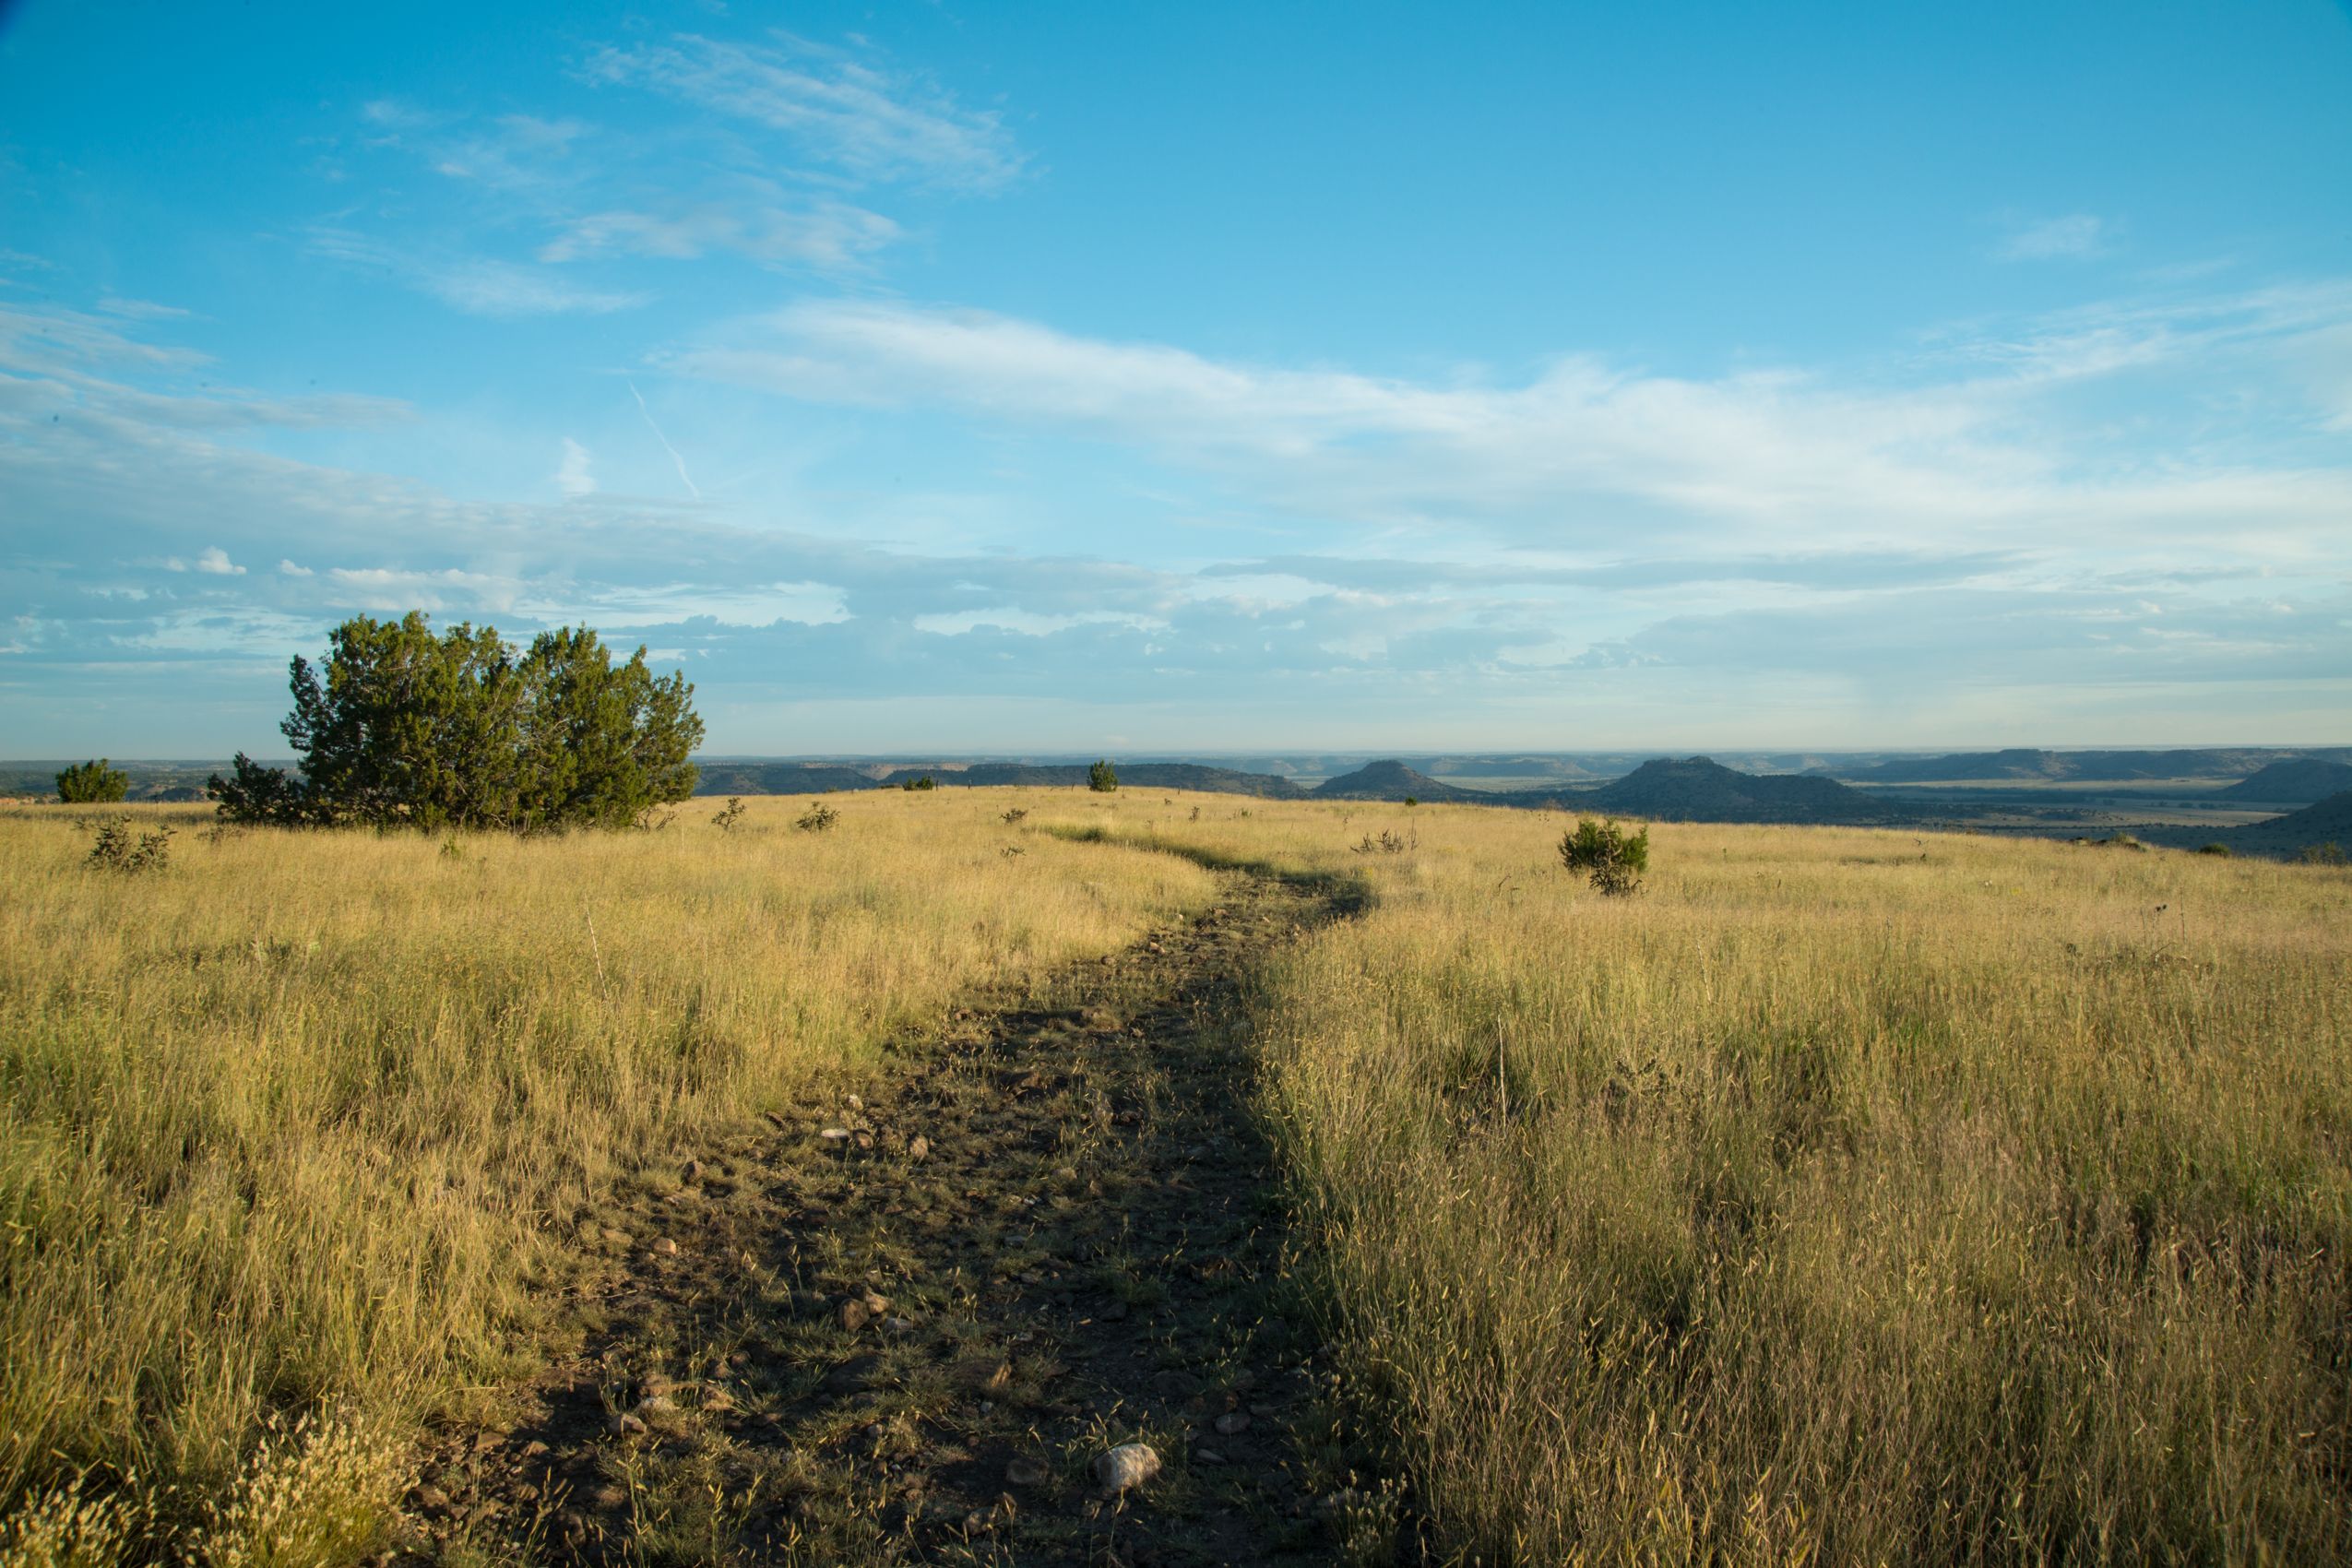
(1126, 1466)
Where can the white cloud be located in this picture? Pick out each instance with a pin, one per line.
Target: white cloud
(215, 561)
(829, 236)
(571, 475)
(2077, 236)
(288, 569)
(475, 285)
(872, 122)
(139, 310)
(1979, 448)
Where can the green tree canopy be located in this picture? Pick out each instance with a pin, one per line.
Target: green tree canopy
(87, 782)
(399, 726)
(1102, 776)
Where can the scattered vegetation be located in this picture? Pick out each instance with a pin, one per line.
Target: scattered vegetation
(728, 815)
(403, 729)
(925, 782)
(116, 849)
(2217, 849)
(817, 819)
(2330, 853)
(93, 783)
(1103, 777)
(1014, 815)
(1610, 859)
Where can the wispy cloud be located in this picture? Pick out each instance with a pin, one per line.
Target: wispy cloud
(573, 475)
(869, 121)
(2076, 236)
(828, 236)
(1993, 441)
(475, 285)
(139, 310)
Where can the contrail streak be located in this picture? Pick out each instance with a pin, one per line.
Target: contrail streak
(687, 478)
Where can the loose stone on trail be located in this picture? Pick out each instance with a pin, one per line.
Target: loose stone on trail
(1126, 1466)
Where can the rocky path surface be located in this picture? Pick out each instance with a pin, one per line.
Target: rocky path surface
(908, 1324)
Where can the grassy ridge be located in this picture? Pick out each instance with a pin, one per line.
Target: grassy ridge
(306, 1122)
(1849, 1196)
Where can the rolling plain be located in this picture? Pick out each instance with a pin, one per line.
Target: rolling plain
(758, 1193)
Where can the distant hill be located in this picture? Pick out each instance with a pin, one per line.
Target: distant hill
(2019, 763)
(779, 778)
(1394, 782)
(2303, 779)
(1702, 790)
(2281, 837)
(1132, 774)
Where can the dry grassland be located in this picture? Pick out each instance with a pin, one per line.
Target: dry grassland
(305, 1127)
(1847, 1197)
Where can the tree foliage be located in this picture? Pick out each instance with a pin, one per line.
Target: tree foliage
(1102, 776)
(87, 783)
(399, 726)
(1610, 858)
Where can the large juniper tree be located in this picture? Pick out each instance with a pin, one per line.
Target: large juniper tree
(399, 726)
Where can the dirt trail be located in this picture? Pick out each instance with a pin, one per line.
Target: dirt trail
(902, 1325)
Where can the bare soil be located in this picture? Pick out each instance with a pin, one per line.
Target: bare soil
(900, 1324)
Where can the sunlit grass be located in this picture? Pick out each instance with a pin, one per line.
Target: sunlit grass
(1849, 1196)
(305, 1123)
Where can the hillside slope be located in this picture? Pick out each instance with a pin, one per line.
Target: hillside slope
(1394, 782)
(1702, 790)
(2304, 780)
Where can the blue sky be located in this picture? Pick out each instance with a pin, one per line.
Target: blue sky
(1055, 377)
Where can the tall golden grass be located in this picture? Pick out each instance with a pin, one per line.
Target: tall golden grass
(294, 1135)
(1845, 1197)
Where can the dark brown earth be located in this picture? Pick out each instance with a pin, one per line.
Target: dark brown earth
(1043, 1233)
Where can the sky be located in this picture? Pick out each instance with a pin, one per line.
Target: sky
(963, 378)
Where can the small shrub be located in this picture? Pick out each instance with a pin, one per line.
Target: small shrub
(2217, 849)
(925, 782)
(452, 851)
(323, 1490)
(1015, 813)
(116, 849)
(817, 819)
(2328, 854)
(70, 1528)
(1412, 800)
(1103, 777)
(93, 783)
(1386, 844)
(1610, 859)
(728, 815)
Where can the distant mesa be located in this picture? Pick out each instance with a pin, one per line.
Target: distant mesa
(1702, 790)
(825, 778)
(2020, 764)
(1394, 782)
(2303, 780)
